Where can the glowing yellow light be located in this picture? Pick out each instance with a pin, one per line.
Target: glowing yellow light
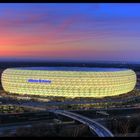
(69, 83)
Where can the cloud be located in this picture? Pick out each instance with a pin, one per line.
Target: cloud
(51, 29)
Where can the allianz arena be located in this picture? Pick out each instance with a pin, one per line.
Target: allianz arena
(68, 81)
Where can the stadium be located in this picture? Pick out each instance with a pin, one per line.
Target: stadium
(68, 81)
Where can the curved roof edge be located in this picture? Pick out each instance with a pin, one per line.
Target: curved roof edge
(96, 69)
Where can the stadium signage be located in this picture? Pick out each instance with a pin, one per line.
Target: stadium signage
(39, 81)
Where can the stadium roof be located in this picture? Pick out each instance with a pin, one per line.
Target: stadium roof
(72, 69)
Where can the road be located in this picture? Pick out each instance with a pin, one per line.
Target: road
(14, 126)
(94, 126)
(4, 100)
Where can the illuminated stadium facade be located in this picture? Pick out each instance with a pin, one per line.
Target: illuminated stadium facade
(68, 81)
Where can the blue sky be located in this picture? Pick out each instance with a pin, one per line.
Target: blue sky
(77, 32)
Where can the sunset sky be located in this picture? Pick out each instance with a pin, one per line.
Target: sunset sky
(75, 32)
